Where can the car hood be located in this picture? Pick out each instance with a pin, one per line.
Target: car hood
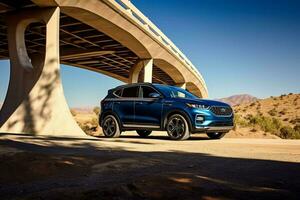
(206, 102)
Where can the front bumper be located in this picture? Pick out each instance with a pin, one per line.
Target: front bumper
(211, 122)
(207, 129)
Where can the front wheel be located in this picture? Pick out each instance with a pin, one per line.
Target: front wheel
(216, 135)
(178, 128)
(111, 127)
(143, 133)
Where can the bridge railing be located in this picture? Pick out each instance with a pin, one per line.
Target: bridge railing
(135, 14)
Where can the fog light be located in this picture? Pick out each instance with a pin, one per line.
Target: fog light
(199, 119)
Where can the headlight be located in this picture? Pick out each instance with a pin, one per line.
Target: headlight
(199, 106)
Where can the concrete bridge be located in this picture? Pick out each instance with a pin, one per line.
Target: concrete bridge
(107, 36)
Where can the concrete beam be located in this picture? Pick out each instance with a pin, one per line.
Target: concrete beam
(35, 103)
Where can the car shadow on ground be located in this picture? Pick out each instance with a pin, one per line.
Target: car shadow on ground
(158, 137)
(83, 170)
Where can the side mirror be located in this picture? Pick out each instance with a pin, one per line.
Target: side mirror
(154, 95)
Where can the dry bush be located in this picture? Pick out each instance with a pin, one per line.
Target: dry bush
(97, 110)
(272, 112)
(283, 112)
(89, 126)
(288, 132)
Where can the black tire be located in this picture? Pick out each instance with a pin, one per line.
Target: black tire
(111, 127)
(177, 127)
(143, 133)
(215, 135)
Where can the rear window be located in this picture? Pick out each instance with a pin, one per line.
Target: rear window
(130, 92)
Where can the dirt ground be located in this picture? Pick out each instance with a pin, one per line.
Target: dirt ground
(41, 167)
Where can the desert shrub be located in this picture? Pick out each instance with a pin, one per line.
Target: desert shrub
(239, 121)
(89, 126)
(272, 112)
(288, 132)
(276, 105)
(267, 124)
(295, 121)
(253, 130)
(260, 113)
(297, 128)
(283, 112)
(291, 93)
(96, 110)
(252, 104)
(286, 119)
(249, 116)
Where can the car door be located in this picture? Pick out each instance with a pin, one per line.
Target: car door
(124, 105)
(148, 110)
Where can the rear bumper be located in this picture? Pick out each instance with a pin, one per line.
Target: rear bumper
(207, 129)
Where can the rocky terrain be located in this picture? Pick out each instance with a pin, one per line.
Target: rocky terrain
(279, 116)
(238, 99)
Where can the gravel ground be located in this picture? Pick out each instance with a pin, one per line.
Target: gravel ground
(41, 167)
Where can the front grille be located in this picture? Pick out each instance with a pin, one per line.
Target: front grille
(221, 110)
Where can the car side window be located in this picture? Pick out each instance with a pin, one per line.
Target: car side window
(177, 94)
(146, 91)
(130, 92)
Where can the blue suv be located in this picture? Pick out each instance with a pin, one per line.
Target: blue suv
(145, 107)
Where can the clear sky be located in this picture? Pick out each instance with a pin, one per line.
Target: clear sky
(239, 47)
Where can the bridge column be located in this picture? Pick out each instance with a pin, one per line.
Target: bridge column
(35, 103)
(147, 65)
(181, 85)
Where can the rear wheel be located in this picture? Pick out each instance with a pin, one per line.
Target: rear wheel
(143, 133)
(216, 135)
(177, 127)
(111, 127)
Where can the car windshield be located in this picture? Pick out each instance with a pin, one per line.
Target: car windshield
(176, 92)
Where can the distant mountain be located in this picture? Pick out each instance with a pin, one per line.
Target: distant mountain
(239, 99)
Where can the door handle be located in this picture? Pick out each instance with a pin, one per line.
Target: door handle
(140, 103)
(117, 102)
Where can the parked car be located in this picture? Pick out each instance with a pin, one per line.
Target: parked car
(146, 107)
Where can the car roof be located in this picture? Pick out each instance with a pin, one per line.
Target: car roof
(135, 84)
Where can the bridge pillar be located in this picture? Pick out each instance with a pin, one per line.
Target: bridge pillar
(147, 65)
(181, 85)
(35, 103)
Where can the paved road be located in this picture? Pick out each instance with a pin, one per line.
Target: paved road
(154, 168)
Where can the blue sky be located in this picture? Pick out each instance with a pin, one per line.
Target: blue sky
(239, 46)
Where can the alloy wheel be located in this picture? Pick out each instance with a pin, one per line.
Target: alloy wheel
(176, 127)
(109, 127)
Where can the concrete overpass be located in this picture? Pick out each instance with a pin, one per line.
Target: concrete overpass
(107, 36)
